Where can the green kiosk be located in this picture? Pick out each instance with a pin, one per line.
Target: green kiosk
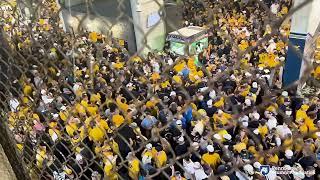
(188, 41)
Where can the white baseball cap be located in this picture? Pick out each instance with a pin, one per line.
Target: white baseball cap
(217, 136)
(256, 115)
(63, 108)
(248, 168)
(247, 102)
(288, 153)
(173, 93)
(227, 136)
(179, 122)
(55, 115)
(78, 157)
(210, 148)
(245, 124)
(255, 84)
(212, 94)
(247, 74)
(181, 139)
(149, 146)
(256, 165)
(284, 93)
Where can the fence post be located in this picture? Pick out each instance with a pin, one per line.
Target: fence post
(9, 147)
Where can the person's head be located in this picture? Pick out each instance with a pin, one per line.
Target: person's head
(210, 149)
(288, 153)
(177, 175)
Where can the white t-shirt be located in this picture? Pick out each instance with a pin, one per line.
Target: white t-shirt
(283, 131)
(272, 123)
(14, 103)
(274, 8)
(189, 168)
(200, 174)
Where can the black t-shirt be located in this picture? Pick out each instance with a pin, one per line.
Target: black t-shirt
(210, 111)
(289, 162)
(181, 149)
(124, 132)
(306, 161)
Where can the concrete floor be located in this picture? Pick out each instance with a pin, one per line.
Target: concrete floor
(6, 172)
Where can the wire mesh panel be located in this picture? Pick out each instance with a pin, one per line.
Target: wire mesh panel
(80, 105)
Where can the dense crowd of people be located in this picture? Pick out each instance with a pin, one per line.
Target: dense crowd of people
(85, 109)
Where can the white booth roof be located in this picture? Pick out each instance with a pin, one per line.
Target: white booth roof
(187, 33)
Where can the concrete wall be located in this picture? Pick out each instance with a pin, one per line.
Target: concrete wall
(105, 17)
(153, 36)
(300, 18)
(306, 19)
(314, 18)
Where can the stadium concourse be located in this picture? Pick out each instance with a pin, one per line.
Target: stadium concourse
(85, 109)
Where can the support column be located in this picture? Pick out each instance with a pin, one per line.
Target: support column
(70, 3)
(303, 25)
(149, 27)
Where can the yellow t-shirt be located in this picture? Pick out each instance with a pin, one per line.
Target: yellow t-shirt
(263, 130)
(97, 134)
(165, 84)
(246, 91)
(80, 109)
(103, 124)
(301, 115)
(263, 58)
(284, 10)
(117, 120)
(122, 105)
(239, 147)
(95, 98)
(92, 110)
(93, 36)
(179, 66)
(110, 173)
(177, 79)
(316, 72)
(52, 132)
(280, 45)
(84, 103)
(243, 45)
(219, 103)
(118, 65)
(271, 61)
(191, 65)
(223, 119)
(287, 144)
(27, 90)
(273, 159)
(134, 168)
(155, 76)
(161, 159)
(211, 159)
(63, 115)
(71, 128)
(150, 104)
(41, 155)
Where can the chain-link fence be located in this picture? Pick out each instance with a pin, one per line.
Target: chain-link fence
(76, 104)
